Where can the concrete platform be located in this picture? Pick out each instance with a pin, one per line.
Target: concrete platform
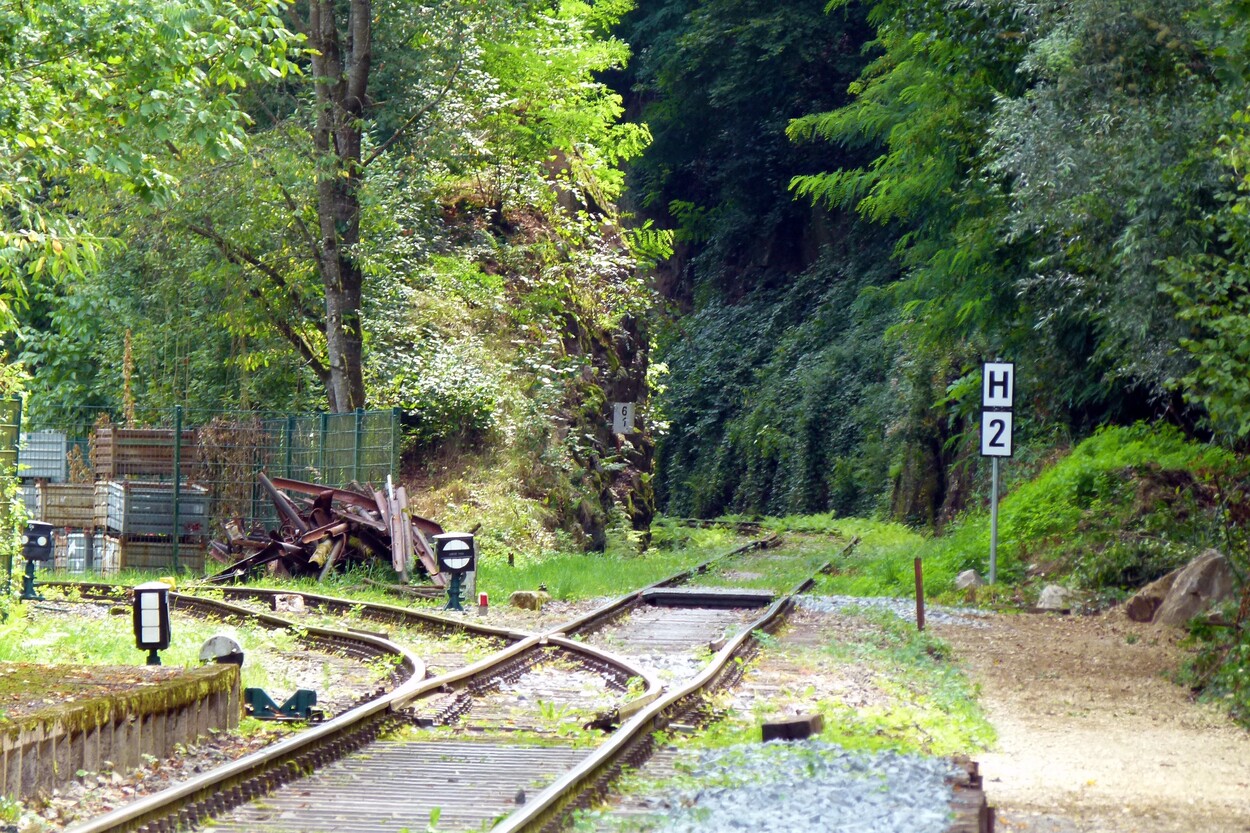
(62, 719)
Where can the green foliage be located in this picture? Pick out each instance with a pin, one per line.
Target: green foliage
(107, 90)
(718, 82)
(1220, 666)
(1211, 292)
(1122, 508)
(779, 402)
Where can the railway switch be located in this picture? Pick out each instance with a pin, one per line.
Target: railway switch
(151, 619)
(457, 556)
(299, 706)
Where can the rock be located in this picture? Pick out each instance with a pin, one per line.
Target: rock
(1146, 601)
(1055, 597)
(529, 599)
(968, 580)
(288, 603)
(1202, 583)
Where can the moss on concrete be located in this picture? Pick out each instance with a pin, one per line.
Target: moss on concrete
(80, 698)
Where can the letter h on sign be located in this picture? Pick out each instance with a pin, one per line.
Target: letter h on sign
(998, 385)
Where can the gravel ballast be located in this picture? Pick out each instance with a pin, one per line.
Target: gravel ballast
(809, 787)
(902, 608)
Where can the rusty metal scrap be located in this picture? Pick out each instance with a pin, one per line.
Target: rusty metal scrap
(326, 527)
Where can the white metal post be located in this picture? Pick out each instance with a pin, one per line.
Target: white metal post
(993, 519)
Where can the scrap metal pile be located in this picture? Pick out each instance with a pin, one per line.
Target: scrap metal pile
(329, 528)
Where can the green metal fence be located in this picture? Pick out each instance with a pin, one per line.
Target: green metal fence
(154, 501)
(10, 430)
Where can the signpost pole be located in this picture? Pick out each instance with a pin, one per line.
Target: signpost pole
(998, 399)
(993, 519)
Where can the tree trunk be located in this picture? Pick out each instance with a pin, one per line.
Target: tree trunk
(341, 65)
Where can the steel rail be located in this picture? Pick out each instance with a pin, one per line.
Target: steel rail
(376, 611)
(543, 811)
(591, 621)
(255, 774)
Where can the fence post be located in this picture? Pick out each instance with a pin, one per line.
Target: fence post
(321, 449)
(394, 461)
(360, 424)
(16, 402)
(290, 438)
(177, 478)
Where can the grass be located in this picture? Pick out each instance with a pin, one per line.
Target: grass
(779, 569)
(109, 640)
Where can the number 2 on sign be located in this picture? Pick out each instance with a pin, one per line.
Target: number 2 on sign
(996, 433)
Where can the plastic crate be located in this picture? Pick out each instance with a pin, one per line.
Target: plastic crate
(139, 508)
(153, 553)
(41, 455)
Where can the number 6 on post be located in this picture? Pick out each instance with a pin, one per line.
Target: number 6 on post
(996, 433)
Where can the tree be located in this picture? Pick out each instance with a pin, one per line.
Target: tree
(113, 90)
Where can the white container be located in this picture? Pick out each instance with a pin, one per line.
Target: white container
(42, 455)
(77, 551)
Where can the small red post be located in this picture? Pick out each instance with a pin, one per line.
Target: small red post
(919, 596)
(482, 603)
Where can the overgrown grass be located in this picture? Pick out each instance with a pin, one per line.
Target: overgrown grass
(778, 570)
(578, 576)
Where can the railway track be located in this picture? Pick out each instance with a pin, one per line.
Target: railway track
(500, 742)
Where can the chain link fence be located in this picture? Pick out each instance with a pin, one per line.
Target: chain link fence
(148, 492)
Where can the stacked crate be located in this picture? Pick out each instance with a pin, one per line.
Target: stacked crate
(140, 523)
(43, 456)
(81, 552)
(134, 468)
(28, 493)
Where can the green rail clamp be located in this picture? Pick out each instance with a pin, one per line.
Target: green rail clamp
(299, 706)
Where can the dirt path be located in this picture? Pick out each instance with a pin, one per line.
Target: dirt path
(1093, 737)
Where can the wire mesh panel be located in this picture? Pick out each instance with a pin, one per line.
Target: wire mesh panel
(10, 427)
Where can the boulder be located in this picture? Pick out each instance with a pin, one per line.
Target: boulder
(1055, 597)
(968, 580)
(1203, 582)
(1146, 601)
(529, 599)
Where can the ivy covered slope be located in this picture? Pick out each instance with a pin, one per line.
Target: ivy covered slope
(1060, 185)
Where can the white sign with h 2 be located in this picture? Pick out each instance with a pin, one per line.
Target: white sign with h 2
(998, 393)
